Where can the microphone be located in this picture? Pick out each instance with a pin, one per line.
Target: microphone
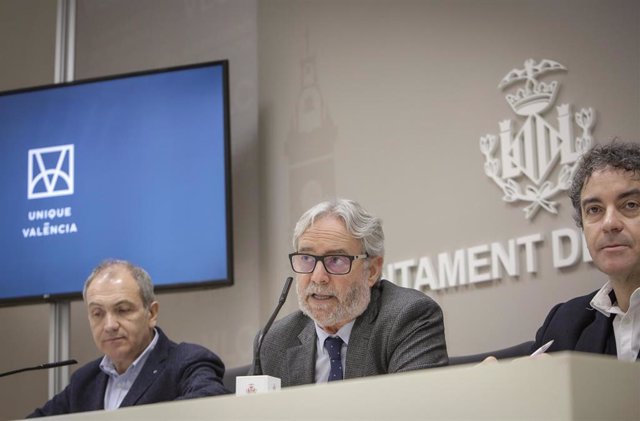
(40, 367)
(283, 297)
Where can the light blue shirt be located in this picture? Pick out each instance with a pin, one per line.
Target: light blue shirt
(323, 362)
(119, 384)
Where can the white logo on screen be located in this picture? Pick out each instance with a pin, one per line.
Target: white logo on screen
(50, 172)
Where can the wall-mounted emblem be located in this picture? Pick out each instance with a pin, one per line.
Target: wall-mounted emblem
(526, 168)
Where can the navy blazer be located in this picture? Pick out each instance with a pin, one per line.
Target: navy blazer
(576, 326)
(172, 371)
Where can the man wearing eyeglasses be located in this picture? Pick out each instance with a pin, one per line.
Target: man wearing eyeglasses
(351, 322)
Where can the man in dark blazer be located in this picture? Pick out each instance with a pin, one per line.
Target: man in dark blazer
(379, 327)
(605, 193)
(140, 364)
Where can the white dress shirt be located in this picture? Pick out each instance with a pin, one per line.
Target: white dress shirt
(626, 326)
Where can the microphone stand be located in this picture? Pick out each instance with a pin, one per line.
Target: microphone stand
(283, 297)
(40, 367)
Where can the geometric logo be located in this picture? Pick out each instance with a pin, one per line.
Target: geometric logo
(50, 171)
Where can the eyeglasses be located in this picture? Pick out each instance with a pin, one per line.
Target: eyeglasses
(335, 264)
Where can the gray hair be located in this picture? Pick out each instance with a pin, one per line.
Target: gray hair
(359, 223)
(140, 275)
(615, 155)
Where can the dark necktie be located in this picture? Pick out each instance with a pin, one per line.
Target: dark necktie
(333, 346)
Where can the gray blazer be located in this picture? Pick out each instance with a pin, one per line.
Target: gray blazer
(401, 330)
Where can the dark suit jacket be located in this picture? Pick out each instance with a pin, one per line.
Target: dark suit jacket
(576, 326)
(172, 371)
(402, 329)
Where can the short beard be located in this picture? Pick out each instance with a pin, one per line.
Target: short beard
(348, 308)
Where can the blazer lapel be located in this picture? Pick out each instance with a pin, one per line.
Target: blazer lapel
(357, 361)
(95, 396)
(596, 336)
(150, 371)
(300, 367)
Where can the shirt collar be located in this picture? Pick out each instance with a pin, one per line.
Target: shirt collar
(606, 303)
(605, 300)
(107, 366)
(344, 332)
(634, 301)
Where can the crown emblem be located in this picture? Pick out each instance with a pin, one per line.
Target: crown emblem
(536, 97)
(533, 151)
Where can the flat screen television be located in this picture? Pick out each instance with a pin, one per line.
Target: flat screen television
(133, 167)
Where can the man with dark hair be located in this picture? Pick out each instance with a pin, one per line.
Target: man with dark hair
(351, 323)
(605, 194)
(140, 364)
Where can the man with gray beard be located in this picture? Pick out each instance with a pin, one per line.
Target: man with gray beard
(351, 322)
